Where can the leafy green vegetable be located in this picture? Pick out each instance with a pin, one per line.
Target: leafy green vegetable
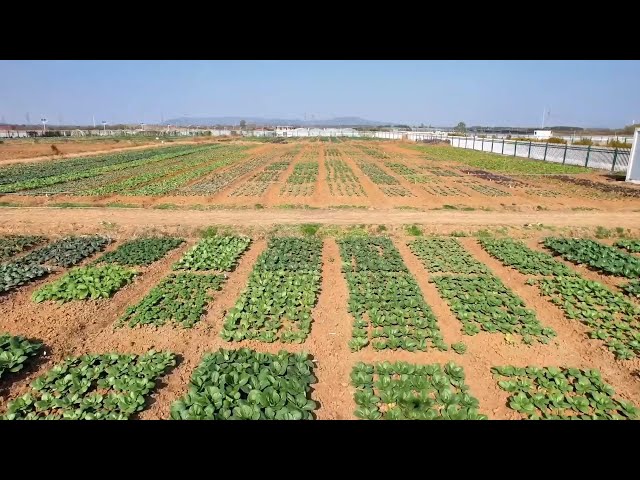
(596, 255)
(483, 302)
(180, 298)
(13, 275)
(561, 393)
(281, 293)
(459, 348)
(517, 255)
(214, 253)
(248, 385)
(632, 288)
(445, 255)
(381, 287)
(92, 387)
(66, 252)
(15, 351)
(11, 245)
(610, 316)
(86, 283)
(632, 246)
(141, 251)
(399, 391)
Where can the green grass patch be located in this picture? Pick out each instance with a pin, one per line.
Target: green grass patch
(494, 162)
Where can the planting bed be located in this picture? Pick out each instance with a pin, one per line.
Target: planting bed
(609, 316)
(92, 387)
(561, 393)
(248, 385)
(381, 287)
(404, 391)
(282, 290)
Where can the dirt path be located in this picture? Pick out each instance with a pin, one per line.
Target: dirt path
(42, 219)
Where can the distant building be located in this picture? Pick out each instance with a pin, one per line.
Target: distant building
(284, 130)
(542, 134)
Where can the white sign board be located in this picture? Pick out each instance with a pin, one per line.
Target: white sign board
(633, 171)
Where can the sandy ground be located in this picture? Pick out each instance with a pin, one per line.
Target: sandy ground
(43, 220)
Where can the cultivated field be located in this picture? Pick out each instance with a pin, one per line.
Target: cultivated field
(329, 280)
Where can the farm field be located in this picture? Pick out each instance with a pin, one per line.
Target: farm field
(316, 280)
(312, 174)
(319, 321)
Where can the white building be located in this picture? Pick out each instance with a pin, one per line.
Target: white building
(542, 134)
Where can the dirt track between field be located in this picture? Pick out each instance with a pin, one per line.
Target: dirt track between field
(44, 218)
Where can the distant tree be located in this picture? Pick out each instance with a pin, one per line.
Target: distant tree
(243, 124)
(461, 127)
(629, 129)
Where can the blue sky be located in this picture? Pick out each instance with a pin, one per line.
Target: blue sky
(442, 93)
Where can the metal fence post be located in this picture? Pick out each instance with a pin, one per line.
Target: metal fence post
(615, 156)
(465, 141)
(529, 154)
(564, 157)
(474, 143)
(482, 146)
(586, 162)
(546, 145)
(515, 148)
(502, 152)
(492, 145)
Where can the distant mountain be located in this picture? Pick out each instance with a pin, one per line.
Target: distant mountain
(332, 122)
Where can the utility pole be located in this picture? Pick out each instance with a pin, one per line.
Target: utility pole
(94, 121)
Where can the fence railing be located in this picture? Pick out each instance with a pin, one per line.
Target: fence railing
(613, 159)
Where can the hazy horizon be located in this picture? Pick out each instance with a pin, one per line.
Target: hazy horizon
(440, 93)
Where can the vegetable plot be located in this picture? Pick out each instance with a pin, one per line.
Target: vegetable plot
(611, 317)
(445, 255)
(92, 387)
(84, 283)
(632, 246)
(67, 252)
(279, 298)
(528, 262)
(248, 385)
(596, 255)
(341, 179)
(381, 287)
(219, 253)
(14, 244)
(13, 275)
(14, 353)
(180, 298)
(409, 173)
(399, 391)
(632, 288)
(302, 180)
(482, 302)
(141, 251)
(561, 394)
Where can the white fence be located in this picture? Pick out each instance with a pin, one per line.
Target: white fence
(614, 159)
